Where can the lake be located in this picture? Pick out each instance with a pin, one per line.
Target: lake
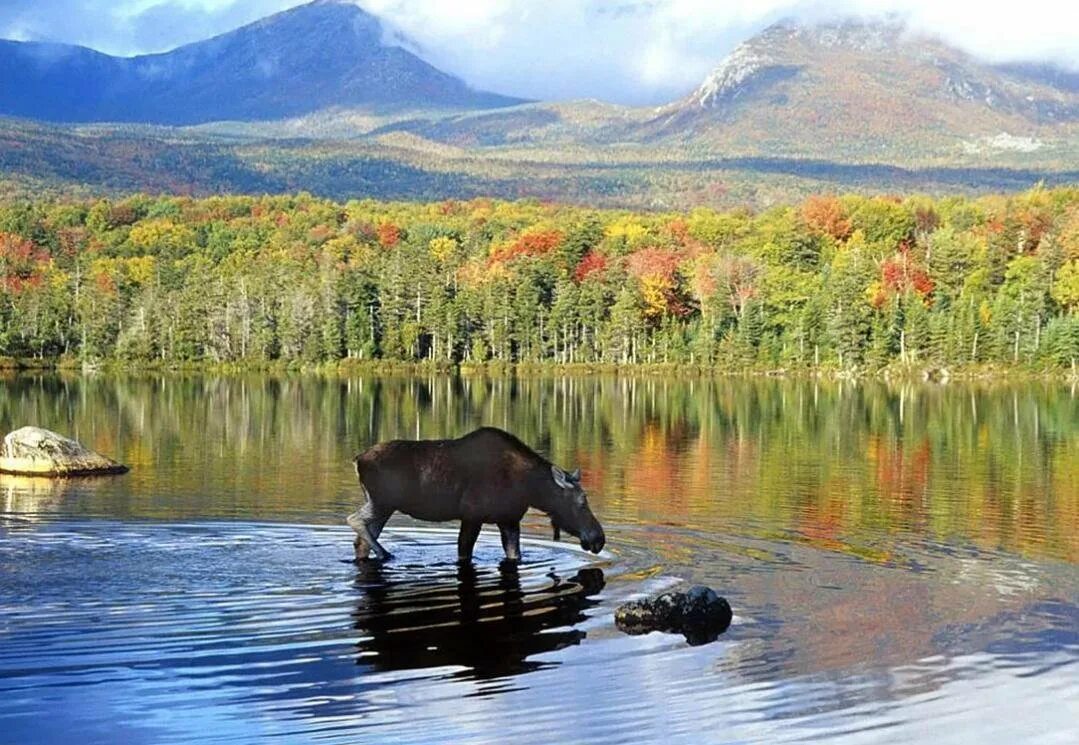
(901, 560)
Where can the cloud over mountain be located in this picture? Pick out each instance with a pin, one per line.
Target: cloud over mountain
(636, 51)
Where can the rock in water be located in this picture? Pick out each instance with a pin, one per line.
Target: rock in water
(32, 451)
(698, 613)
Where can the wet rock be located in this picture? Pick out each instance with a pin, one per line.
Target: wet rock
(698, 613)
(32, 451)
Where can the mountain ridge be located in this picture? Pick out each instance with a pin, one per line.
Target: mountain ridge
(833, 106)
(300, 60)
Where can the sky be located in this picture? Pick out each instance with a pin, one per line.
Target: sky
(626, 51)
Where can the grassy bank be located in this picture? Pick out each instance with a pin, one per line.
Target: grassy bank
(352, 367)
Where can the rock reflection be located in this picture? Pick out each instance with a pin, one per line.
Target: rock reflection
(30, 496)
(482, 620)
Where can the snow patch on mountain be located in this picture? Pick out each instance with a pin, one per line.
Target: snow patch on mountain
(732, 76)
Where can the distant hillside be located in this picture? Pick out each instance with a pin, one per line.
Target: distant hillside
(866, 89)
(314, 99)
(848, 91)
(316, 56)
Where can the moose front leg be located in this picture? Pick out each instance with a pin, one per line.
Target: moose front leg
(466, 540)
(511, 540)
(368, 522)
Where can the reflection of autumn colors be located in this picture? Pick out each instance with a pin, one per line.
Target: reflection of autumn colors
(856, 469)
(845, 466)
(849, 525)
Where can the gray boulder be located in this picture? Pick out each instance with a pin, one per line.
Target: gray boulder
(32, 451)
(698, 613)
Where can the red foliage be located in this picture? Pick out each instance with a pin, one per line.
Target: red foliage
(592, 263)
(15, 285)
(389, 235)
(1035, 223)
(19, 259)
(892, 274)
(921, 282)
(16, 251)
(901, 274)
(658, 262)
(529, 244)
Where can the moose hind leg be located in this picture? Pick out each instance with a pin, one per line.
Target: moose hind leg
(511, 540)
(368, 522)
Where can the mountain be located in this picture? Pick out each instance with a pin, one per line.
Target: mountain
(794, 110)
(850, 91)
(312, 57)
(865, 89)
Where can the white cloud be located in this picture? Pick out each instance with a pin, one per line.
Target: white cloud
(632, 51)
(646, 51)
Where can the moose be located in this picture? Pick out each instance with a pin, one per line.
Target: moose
(487, 476)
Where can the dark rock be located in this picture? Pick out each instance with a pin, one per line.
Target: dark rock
(698, 613)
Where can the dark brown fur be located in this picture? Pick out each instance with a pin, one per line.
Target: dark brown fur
(487, 476)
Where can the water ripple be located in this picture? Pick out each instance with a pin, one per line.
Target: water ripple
(155, 632)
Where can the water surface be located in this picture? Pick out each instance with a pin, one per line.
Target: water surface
(901, 561)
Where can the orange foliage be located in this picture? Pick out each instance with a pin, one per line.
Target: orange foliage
(537, 243)
(389, 235)
(321, 233)
(658, 262)
(825, 215)
(655, 269)
(19, 258)
(679, 230)
(105, 283)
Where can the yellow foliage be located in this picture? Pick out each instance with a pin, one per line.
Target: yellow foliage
(106, 267)
(157, 234)
(442, 248)
(342, 247)
(874, 292)
(141, 269)
(628, 229)
(1069, 235)
(58, 279)
(655, 290)
(1066, 288)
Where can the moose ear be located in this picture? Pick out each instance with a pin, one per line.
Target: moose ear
(559, 477)
(575, 477)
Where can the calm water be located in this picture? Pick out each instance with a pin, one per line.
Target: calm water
(902, 562)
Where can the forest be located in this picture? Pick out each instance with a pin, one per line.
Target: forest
(836, 282)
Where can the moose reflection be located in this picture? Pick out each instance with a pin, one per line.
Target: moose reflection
(479, 619)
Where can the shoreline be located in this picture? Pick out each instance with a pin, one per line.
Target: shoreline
(348, 368)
